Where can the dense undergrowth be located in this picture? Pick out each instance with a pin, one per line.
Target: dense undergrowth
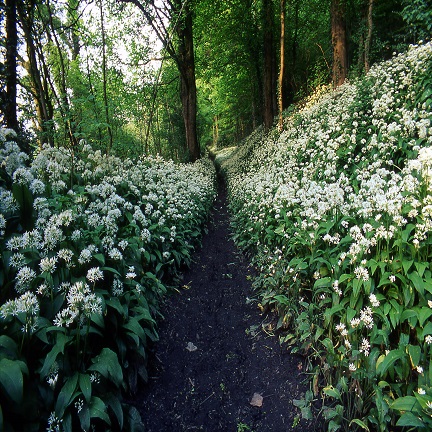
(336, 211)
(89, 244)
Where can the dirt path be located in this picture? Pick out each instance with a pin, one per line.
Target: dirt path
(213, 354)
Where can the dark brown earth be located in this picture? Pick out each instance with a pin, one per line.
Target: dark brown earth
(214, 353)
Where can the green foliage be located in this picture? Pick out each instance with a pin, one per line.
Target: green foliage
(418, 16)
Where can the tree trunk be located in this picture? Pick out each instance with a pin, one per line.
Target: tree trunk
(73, 18)
(282, 64)
(188, 93)
(39, 91)
(10, 114)
(64, 106)
(339, 42)
(268, 73)
(368, 36)
(104, 79)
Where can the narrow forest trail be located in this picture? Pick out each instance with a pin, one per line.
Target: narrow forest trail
(213, 354)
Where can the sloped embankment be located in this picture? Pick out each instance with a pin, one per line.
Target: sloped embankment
(336, 212)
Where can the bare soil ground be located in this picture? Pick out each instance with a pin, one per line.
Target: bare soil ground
(214, 354)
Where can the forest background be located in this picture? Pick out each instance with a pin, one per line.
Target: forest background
(169, 77)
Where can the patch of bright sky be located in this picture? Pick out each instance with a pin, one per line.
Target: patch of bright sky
(135, 50)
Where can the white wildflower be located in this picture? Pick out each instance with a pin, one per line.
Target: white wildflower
(374, 301)
(48, 264)
(95, 274)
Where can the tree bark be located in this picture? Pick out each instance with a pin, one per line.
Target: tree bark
(11, 118)
(282, 64)
(368, 36)
(339, 42)
(64, 106)
(188, 92)
(104, 79)
(268, 73)
(39, 91)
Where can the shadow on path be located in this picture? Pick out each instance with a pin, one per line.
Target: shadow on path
(213, 354)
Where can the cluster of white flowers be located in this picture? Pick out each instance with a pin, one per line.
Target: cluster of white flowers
(305, 170)
(81, 304)
(347, 185)
(114, 206)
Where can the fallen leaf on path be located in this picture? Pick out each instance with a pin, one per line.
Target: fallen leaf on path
(191, 347)
(257, 400)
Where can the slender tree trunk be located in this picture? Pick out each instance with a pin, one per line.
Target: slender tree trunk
(215, 130)
(188, 91)
(39, 88)
(72, 12)
(368, 36)
(339, 42)
(268, 91)
(10, 114)
(290, 86)
(104, 79)
(282, 64)
(93, 94)
(61, 82)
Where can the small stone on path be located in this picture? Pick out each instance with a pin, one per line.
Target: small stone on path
(191, 347)
(257, 400)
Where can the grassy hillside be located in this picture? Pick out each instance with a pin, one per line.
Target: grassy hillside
(336, 213)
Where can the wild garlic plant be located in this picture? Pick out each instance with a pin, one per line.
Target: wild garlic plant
(90, 245)
(336, 212)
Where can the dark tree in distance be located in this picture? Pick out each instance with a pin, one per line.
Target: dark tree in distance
(339, 42)
(269, 91)
(10, 114)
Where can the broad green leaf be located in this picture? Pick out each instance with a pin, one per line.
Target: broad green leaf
(306, 413)
(406, 403)
(408, 313)
(66, 394)
(57, 349)
(114, 403)
(107, 364)
(427, 330)
(8, 345)
(414, 352)
(409, 419)
(417, 281)
(98, 409)
(323, 282)
(134, 420)
(345, 277)
(332, 392)
(114, 303)
(100, 257)
(135, 327)
(388, 361)
(421, 267)
(85, 386)
(111, 270)
(424, 314)
(11, 379)
(84, 417)
(359, 423)
(406, 264)
(357, 284)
